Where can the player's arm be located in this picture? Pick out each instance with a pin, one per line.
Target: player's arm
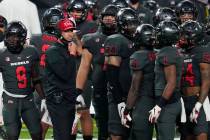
(134, 89)
(205, 81)
(78, 43)
(84, 69)
(36, 79)
(168, 60)
(113, 61)
(170, 76)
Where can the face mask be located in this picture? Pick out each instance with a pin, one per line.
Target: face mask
(1, 36)
(134, 1)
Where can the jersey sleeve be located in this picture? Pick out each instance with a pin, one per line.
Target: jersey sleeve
(204, 55)
(138, 61)
(87, 43)
(112, 47)
(168, 56)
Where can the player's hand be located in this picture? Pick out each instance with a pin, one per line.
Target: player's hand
(126, 118)
(76, 120)
(154, 114)
(195, 112)
(124, 115)
(80, 102)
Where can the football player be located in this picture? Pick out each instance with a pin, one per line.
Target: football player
(118, 49)
(168, 68)
(141, 94)
(20, 71)
(195, 81)
(93, 54)
(43, 42)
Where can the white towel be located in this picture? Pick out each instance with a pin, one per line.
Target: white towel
(183, 113)
(206, 107)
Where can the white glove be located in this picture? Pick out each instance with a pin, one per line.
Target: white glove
(80, 102)
(195, 112)
(125, 117)
(43, 105)
(154, 114)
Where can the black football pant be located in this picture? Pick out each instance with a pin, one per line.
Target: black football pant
(16, 108)
(100, 103)
(166, 122)
(114, 124)
(62, 112)
(142, 129)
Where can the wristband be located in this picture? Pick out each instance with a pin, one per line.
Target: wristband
(162, 102)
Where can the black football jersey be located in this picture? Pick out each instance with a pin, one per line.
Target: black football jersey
(94, 43)
(165, 57)
(144, 60)
(191, 70)
(43, 42)
(17, 69)
(118, 45)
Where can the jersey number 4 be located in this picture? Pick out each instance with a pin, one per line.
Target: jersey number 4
(21, 77)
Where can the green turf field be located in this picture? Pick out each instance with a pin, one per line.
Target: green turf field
(24, 132)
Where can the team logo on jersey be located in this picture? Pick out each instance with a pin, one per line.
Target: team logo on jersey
(7, 59)
(189, 60)
(19, 58)
(28, 56)
(97, 40)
